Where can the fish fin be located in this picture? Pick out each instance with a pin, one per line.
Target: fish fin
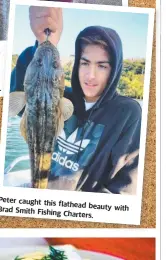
(16, 102)
(60, 120)
(66, 107)
(62, 85)
(23, 126)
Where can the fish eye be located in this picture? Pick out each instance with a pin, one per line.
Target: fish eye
(39, 62)
(55, 64)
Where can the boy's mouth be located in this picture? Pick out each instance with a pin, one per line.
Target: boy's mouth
(90, 85)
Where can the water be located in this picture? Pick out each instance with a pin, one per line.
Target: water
(16, 146)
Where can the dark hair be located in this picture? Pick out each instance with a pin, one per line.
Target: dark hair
(95, 40)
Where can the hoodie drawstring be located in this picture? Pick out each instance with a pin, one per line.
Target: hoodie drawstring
(83, 132)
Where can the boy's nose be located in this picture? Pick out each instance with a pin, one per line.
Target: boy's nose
(92, 72)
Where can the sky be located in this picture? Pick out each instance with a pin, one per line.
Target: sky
(131, 27)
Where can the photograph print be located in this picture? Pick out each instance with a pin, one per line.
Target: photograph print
(78, 92)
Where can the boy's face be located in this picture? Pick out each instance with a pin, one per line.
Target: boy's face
(94, 71)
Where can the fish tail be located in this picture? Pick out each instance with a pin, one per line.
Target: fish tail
(44, 170)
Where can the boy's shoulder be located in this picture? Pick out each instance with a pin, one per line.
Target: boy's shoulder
(26, 56)
(129, 102)
(68, 93)
(128, 105)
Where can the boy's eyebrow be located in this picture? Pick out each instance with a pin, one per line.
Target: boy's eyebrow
(104, 62)
(99, 62)
(82, 58)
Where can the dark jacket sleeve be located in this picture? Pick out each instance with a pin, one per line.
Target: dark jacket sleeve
(18, 73)
(122, 179)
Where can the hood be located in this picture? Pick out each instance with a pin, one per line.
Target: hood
(115, 46)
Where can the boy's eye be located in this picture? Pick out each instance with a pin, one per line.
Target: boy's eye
(84, 63)
(102, 66)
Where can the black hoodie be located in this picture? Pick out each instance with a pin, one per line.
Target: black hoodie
(97, 147)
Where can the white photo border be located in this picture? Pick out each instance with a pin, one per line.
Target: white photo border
(2, 65)
(133, 202)
(125, 2)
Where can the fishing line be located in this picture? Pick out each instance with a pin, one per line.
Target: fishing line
(47, 32)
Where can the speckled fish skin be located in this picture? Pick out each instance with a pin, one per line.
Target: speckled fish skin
(4, 16)
(43, 87)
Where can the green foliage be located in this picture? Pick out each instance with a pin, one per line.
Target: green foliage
(67, 83)
(14, 60)
(68, 70)
(131, 82)
(136, 66)
(56, 254)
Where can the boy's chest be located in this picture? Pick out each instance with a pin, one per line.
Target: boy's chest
(75, 146)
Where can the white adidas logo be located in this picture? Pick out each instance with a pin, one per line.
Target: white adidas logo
(69, 146)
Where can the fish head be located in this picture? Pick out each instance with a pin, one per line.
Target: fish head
(45, 67)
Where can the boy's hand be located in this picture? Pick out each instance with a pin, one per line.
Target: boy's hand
(42, 18)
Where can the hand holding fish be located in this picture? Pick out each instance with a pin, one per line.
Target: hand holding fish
(46, 17)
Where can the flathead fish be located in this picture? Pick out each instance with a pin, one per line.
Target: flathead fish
(45, 109)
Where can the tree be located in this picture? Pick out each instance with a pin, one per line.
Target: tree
(130, 84)
(68, 70)
(132, 80)
(14, 60)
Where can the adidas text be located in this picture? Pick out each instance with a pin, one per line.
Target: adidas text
(64, 162)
